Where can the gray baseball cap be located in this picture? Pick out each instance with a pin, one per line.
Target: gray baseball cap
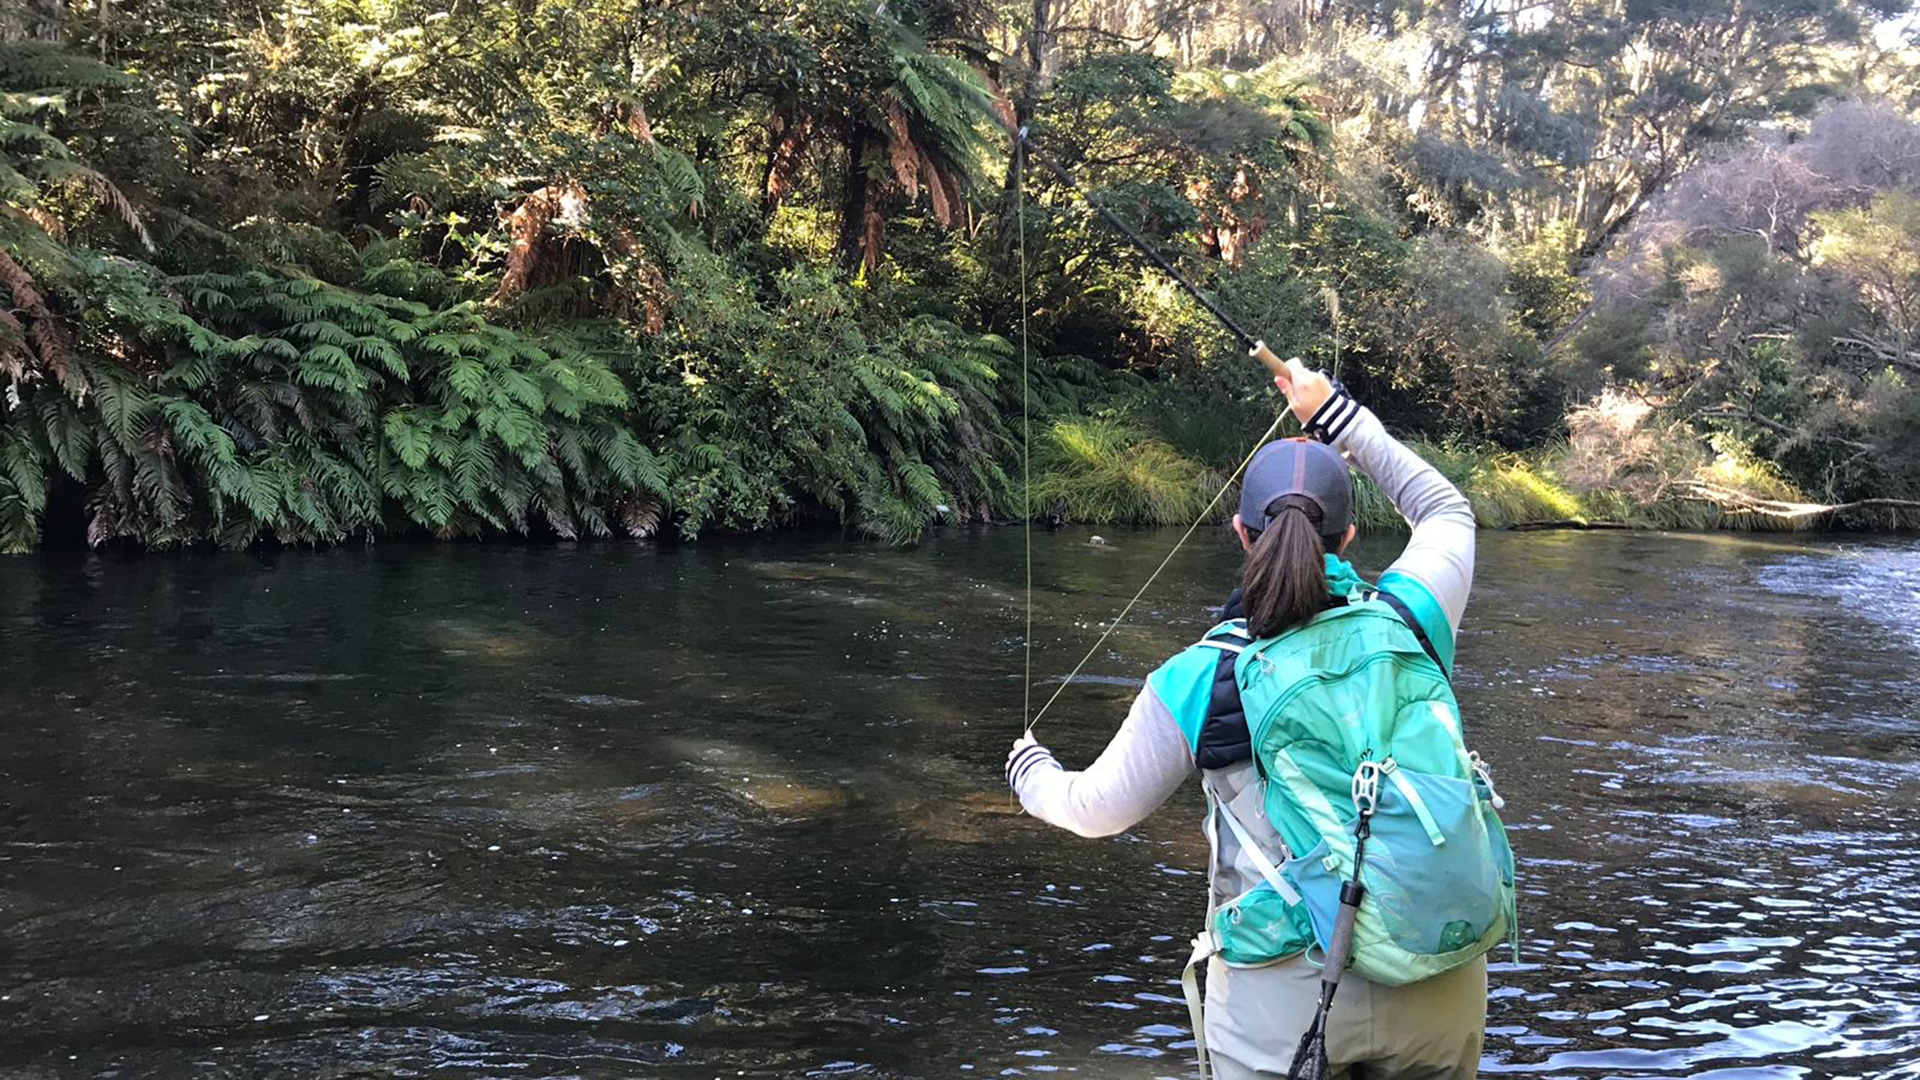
(1298, 467)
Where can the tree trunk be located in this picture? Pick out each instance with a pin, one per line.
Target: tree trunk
(30, 20)
(1606, 229)
(854, 197)
(1039, 44)
(769, 202)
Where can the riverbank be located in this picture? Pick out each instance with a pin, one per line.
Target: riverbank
(1149, 484)
(450, 426)
(1619, 466)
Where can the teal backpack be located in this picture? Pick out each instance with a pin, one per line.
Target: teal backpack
(1350, 710)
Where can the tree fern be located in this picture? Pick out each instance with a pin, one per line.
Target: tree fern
(305, 392)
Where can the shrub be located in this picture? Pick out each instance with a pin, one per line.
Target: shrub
(1616, 444)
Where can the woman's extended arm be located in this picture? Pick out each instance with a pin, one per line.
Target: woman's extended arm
(1145, 763)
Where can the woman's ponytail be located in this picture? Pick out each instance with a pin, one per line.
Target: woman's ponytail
(1285, 581)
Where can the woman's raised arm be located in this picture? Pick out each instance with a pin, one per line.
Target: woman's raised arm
(1434, 573)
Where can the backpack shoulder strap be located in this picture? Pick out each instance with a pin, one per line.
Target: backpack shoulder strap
(1401, 609)
(1230, 636)
(1185, 684)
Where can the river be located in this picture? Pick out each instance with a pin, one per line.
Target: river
(735, 809)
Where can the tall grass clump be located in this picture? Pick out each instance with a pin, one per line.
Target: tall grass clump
(1504, 488)
(1372, 511)
(1105, 470)
(1509, 490)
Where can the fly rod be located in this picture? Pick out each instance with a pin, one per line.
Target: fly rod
(1255, 347)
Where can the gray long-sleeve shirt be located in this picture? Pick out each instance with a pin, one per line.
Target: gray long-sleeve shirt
(1148, 758)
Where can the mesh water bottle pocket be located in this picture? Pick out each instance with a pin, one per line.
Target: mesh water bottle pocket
(1316, 875)
(1496, 831)
(1432, 898)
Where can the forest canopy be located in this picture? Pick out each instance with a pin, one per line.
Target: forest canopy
(301, 272)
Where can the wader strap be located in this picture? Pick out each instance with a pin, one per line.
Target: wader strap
(1224, 646)
(1203, 946)
(1203, 950)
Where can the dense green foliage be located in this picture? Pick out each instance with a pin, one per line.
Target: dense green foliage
(345, 268)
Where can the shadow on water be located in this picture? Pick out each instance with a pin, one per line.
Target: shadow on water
(735, 809)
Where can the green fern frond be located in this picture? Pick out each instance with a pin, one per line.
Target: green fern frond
(410, 442)
(196, 430)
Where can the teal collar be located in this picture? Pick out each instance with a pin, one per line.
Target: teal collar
(1343, 580)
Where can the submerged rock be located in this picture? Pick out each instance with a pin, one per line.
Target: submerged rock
(982, 818)
(758, 779)
(999, 803)
(777, 796)
(506, 641)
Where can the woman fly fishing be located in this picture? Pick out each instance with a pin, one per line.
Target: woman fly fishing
(1350, 829)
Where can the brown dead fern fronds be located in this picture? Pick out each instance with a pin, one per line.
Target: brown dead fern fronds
(33, 341)
(116, 201)
(902, 154)
(791, 136)
(563, 201)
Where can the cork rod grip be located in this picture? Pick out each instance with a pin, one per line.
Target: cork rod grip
(1269, 359)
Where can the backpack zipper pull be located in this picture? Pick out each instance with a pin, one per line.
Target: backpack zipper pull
(1486, 777)
(1260, 666)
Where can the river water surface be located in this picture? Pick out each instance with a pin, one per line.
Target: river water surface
(735, 809)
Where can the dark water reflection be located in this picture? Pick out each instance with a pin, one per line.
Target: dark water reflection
(735, 810)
